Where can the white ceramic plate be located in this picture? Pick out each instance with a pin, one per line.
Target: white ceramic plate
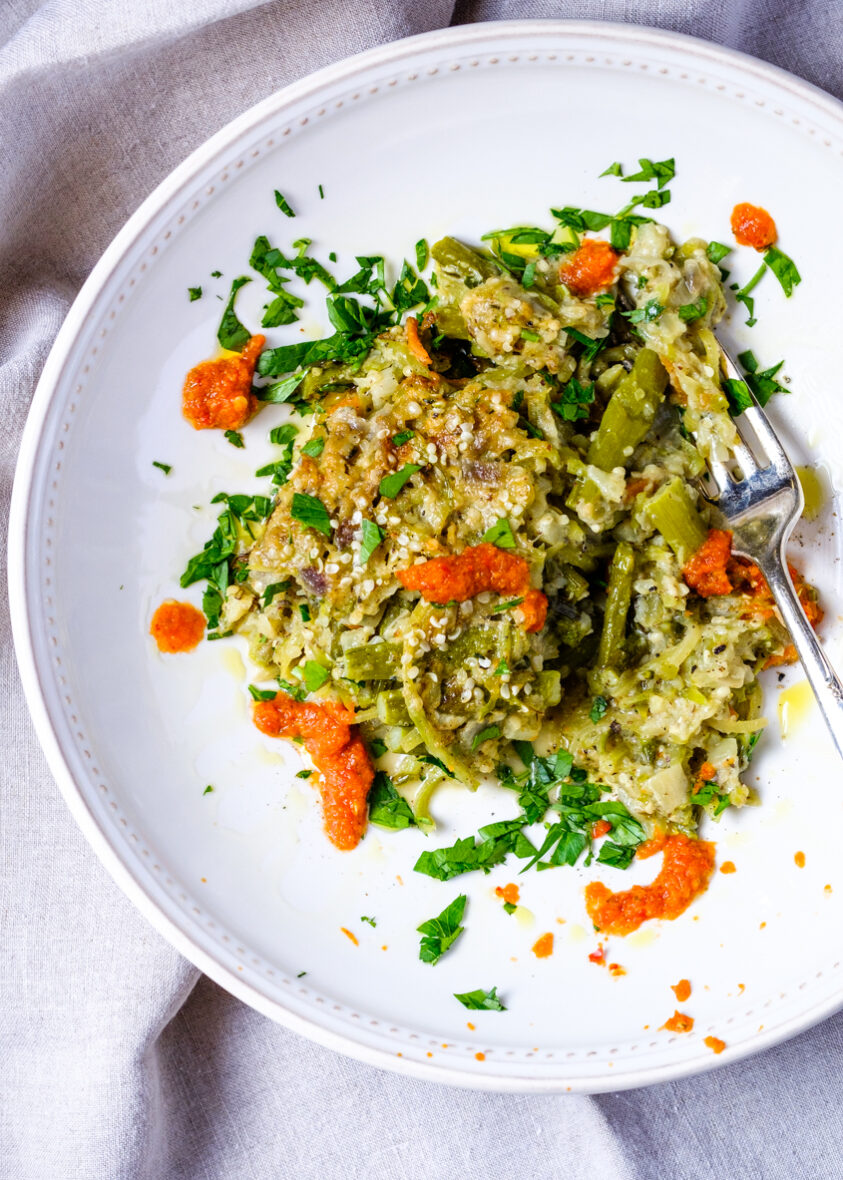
(456, 132)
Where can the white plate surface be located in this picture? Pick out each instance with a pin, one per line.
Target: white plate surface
(454, 132)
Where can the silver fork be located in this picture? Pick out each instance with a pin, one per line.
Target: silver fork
(760, 497)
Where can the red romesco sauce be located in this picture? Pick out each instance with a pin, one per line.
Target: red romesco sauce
(218, 394)
(679, 1023)
(753, 226)
(478, 568)
(706, 571)
(342, 760)
(685, 872)
(177, 626)
(590, 268)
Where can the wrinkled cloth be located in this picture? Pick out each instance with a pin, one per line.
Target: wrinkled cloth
(117, 1058)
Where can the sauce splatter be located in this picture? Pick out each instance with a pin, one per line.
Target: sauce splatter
(177, 626)
(218, 394)
(753, 226)
(543, 947)
(479, 568)
(728, 866)
(616, 969)
(338, 752)
(600, 828)
(799, 860)
(349, 935)
(715, 1044)
(679, 1023)
(511, 894)
(685, 872)
(705, 572)
(598, 957)
(479, 1056)
(590, 268)
(682, 990)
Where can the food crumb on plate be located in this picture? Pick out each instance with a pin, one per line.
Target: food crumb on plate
(682, 990)
(715, 1044)
(799, 860)
(349, 935)
(728, 866)
(679, 1022)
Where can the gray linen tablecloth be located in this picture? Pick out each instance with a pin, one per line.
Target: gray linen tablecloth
(116, 1058)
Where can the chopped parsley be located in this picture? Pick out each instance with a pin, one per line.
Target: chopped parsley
(763, 383)
(314, 447)
(370, 537)
(392, 484)
(715, 251)
(529, 334)
(231, 333)
(377, 748)
(442, 932)
(321, 193)
(646, 314)
(371, 921)
(615, 169)
(275, 589)
(387, 808)
(235, 438)
(194, 293)
(165, 467)
(503, 606)
(737, 395)
(661, 171)
(502, 669)
(689, 312)
(422, 254)
(598, 709)
(304, 773)
(402, 437)
(784, 268)
(743, 296)
(304, 611)
(480, 1000)
(262, 694)
(208, 790)
(283, 204)
(311, 512)
(280, 391)
(486, 735)
(500, 534)
(574, 401)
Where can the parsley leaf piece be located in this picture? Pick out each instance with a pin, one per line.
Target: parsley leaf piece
(282, 310)
(738, 396)
(502, 669)
(409, 291)
(662, 171)
(274, 590)
(314, 448)
(208, 790)
(689, 312)
(466, 856)
(743, 295)
(387, 808)
(479, 1000)
(715, 251)
(292, 690)
(598, 709)
(370, 537)
(315, 675)
(262, 694)
(231, 333)
(392, 484)
(371, 921)
(304, 774)
(165, 467)
(321, 193)
(500, 534)
(235, 438)
(618, 856)
(486, 735)
(442, 932)
(304, 611)
(574, 401)
(422, 254)
(280, 391)
(604, 299)
(283, 204)
(528, 278)
(194, 293)
(402, 437)
(784, 268)
(591, 344)
(646, 314)
(763, 383)
(311, 512)
(529, 334)
(216, 274)
(615, 169)
(377, 748)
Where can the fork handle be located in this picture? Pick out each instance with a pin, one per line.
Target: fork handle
(827, 685)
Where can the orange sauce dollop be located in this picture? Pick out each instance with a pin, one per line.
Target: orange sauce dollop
(679, 1023)
(685, 872)
(177, 626)
(682, 990)
(543, 947)
(478, 568)
(333, 742)
(218, 394)
(753, 226)
(714, 1044)
(590, 268)
(706, 571)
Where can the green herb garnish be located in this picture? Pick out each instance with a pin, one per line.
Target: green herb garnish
(387, 808)
(235, 438)
(480, 1000)
(392, 484)
(165, 467)
(402, 437)
(311, 512)
(194, 293)
(314, 447)
(231, 333)
(262, 694)
(598, 709)
(315, 676)
(500, 534)
(283, 204)
(689, 312)
(442, 932)
(370, 537)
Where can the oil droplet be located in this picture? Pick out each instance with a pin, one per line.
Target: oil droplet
(814, 489)
(642, 938)
(794, 705)
(262, 754)
(232, 661)
(577, 933)
(523, 916)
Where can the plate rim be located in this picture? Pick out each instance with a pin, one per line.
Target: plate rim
(97, 836)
